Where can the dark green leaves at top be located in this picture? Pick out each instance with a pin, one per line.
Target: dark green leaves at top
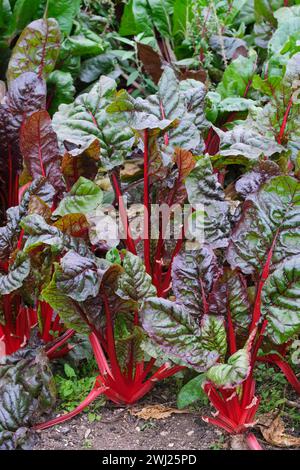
(37, 49)
(237, 77)
(271, 216)
(24, 11)
(135, 18)
(175, 331)
(40, 150)
(64, 11)
(86, 121)
(135, 283)
(280, 301)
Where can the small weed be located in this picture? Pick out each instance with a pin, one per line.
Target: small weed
(74, 385)
(219, 444)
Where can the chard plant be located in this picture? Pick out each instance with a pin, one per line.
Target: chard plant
(240, 302)
(220, 132)
(96, 296)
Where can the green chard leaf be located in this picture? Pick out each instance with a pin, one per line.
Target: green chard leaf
(191, 392)
(233, 373)
(84, 198)
(86, 121)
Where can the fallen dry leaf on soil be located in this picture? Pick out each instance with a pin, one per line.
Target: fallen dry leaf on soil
(273, 429)
(155, 412)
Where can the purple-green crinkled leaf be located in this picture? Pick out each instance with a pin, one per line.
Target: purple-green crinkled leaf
(86, 121)
(245, 140)
(251, 182)
(80, 277)
(17, 273)
(213, 334)
(269, 217)
(182, 103)
(36, 50)
(9, 233)
(68, 310)
(281, 301)
(229, 298)
(175, 331)
(41, 233)
(206, 194)
(27, 390)
(134, 283)
(193, 274)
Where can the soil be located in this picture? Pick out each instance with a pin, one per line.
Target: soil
(118, 429)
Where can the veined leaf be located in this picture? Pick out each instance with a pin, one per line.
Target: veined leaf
(206, 194)
(64, 306)
(193, 274)
(16, 275)
(27, 390)
(271, 216)
(229, 297)
(233, 373)
(40, 233)
(213, 334)
(175, 331)
(37, 49)
(135, 283)
(86, 121)
(280, 301)
(84, 197)
(40, 150)
(80, 277)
